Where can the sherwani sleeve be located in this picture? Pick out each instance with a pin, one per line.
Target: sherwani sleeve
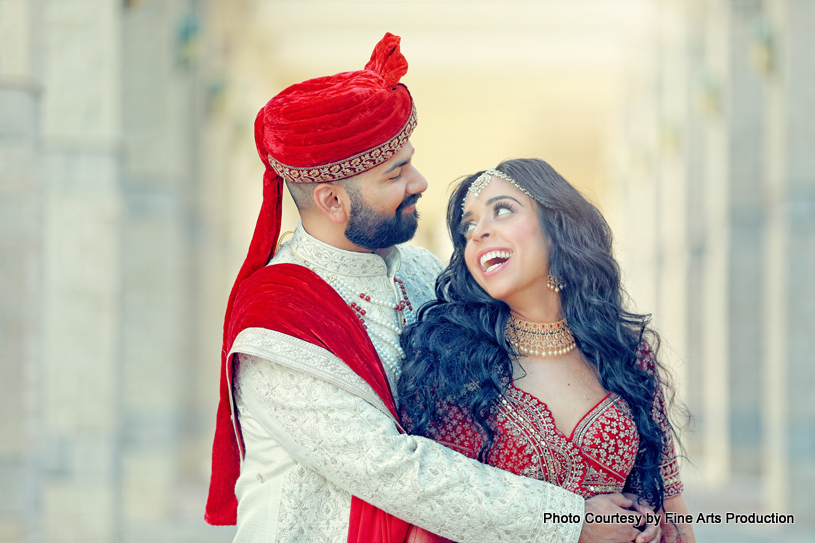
(358, 448)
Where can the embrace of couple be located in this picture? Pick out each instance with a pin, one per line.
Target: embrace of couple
(370, 395)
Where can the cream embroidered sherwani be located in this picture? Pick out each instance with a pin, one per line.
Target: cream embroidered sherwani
(315, 433)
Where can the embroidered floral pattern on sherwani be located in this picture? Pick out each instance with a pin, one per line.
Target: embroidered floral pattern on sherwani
(597, 458)
(374, 275)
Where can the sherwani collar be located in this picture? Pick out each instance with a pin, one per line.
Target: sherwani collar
(349, 263)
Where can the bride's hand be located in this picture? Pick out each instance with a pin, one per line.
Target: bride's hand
(609, 504)
(652, 532)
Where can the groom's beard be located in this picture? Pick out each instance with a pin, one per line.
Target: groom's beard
(373, 230)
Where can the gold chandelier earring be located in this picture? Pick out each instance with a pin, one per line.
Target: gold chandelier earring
(554, 284)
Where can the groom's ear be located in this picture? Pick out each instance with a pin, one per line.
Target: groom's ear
(332, 201)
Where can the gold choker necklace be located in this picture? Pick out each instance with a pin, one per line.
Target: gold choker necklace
(540, 339)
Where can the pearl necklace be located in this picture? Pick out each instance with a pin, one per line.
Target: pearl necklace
(353, 299)
(540, 339)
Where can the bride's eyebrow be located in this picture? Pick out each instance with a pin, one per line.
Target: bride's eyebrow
(496, 198)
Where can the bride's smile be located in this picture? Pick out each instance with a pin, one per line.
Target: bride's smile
(491, 260)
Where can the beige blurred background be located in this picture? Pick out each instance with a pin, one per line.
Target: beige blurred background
(129, 188)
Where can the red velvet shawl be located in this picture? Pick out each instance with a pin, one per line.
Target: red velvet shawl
(295, 301)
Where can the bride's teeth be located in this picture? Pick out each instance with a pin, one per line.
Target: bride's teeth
(494, 254)
(494, 266)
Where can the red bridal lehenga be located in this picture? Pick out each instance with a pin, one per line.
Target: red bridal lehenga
(597, 458)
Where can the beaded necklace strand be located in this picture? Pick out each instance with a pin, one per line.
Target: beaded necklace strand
(354, 301)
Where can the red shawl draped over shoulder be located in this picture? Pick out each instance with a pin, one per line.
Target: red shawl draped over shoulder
(293, 300)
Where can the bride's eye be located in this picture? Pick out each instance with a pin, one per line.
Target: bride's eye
(503, 208)
(466, 227)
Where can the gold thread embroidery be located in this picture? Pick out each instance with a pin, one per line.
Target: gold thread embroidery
(348, 167)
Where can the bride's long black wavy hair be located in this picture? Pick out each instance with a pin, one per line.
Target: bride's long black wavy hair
(457, 352)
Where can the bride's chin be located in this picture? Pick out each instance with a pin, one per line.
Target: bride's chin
(496, 288)
(502, 295)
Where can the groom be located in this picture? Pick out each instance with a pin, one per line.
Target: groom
(308, 446)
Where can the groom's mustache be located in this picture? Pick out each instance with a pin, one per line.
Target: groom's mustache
(409, 201)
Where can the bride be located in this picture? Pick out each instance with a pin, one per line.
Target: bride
(528, 360)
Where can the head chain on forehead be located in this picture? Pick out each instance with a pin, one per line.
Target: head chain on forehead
(484, 179)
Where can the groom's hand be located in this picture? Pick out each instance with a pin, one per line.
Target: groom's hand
(609, 504)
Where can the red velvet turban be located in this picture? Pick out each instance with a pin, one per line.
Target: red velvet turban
(335, 127)
(324, 129)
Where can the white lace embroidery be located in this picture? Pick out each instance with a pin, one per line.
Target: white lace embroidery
(339, 261)
(372, 274)
(297, 520)
(306, 357)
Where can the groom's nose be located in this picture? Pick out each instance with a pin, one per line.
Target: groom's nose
(416, 183)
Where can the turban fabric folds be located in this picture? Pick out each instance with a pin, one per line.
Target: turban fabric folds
(335, 127)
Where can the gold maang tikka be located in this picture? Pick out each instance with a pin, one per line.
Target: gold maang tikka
(484, 179)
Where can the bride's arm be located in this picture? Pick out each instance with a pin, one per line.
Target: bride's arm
(669, 468)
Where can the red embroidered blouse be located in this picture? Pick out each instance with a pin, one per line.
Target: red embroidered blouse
(596, 458)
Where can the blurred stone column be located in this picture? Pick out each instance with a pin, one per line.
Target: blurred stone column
(672, 260)
(21, 209)
(715, 317)
(746, 157)
(694, 153)
(161, 121)
(789, 292)
(727, 205)
(78, 388)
